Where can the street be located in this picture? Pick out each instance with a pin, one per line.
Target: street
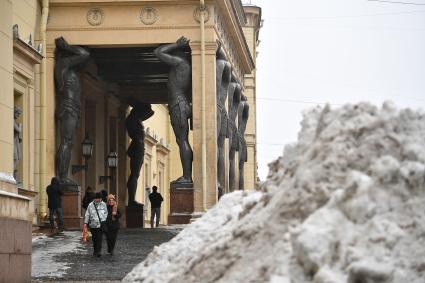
(65, 257)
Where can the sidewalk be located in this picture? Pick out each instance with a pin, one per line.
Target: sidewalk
(64, 257)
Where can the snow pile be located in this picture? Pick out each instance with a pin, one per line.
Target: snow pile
(344, 204)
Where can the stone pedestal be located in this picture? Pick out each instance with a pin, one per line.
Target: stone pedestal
(134, 216)
(181, 205)
(71, 208)
(15, 233)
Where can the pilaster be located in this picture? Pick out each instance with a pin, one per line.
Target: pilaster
(122, 163)
(204, 198)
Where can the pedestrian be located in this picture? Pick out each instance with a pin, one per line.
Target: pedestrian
(54, 203)
(113, 221)
(156, 200)
(95, 219)
(88, 197)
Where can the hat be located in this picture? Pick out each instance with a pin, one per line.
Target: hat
(98, 195)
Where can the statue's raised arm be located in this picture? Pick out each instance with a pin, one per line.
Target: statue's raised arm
(164, 52)
(67, 56)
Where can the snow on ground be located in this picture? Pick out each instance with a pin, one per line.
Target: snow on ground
(175, 228)
(44, 263)
(37, 238)
(343, 204)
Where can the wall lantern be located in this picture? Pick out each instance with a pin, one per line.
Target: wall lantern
(87, 151)
(112, 161)
(87, 147)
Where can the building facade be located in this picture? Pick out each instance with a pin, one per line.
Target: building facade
(121, 37)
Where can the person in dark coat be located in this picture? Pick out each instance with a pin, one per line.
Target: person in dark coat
(113, 222)
(156, 200)
(88, 197)
(54, 194)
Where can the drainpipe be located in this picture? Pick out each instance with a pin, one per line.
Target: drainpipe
(43, 113)
(203, 118)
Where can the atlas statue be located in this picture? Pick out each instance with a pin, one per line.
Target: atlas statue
(235, 91)
(179, 87)
(69, 62)
(243, 115)
(136, 151)
(223, 77)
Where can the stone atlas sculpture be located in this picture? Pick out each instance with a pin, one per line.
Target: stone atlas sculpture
(136, 150)
(179, 86)
(17, 130)
(223, 77)
(69, 62)
(243, 115)
(235, 92)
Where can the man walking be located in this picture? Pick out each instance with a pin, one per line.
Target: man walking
(156, 200)
(54, 203)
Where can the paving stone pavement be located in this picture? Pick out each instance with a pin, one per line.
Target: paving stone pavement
(65, 258)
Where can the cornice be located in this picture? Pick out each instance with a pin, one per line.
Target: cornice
(162, 149)
(210, 47)
(13, 195)
(27, 193)
(95, 28)
(250, 144)
(58, 3)
(232, 13)
(150, 140)
(255, 12)
(233, 26)
(29, 53)
(239, 11)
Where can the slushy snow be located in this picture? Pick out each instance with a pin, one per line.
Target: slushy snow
(343, 204)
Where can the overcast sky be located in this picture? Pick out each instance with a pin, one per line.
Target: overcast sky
(334, 51)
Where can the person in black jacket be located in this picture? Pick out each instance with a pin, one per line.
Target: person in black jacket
(156, 200)
(113, 222)
(55, 202)
(88, 197)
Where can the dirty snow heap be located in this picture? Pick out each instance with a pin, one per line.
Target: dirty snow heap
(344, 204)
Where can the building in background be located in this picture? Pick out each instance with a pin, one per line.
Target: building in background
(121, 37)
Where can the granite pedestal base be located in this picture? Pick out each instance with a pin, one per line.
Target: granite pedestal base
(181, 205)
(15, 250)
(134, 216)
(71, 208)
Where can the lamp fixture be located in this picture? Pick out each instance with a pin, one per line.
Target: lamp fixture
(112, 161)
(87, 152)
(87, 147)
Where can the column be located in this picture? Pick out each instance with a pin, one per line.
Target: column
(203, 202)
(121, 171)
(250, 167)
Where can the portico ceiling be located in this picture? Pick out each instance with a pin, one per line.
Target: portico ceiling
(136, 70)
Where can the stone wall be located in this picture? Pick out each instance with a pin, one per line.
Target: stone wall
(15, 236)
